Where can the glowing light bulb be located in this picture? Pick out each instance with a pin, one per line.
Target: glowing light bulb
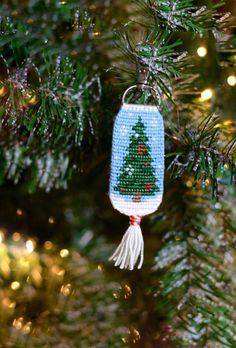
(202, 51)
(27, 328)
(231, 80)
(226, 166)
(206, 94)
(15, 285)
(51, 220)
(228, 123)
(189, 183)
(66, 289)
(19, 212)
(30, 245)
(64, 253)
(48, 245)
(58, 271)
(135, 334)
(16, 236)
(100, 268)
(18, 323)
(2, 235)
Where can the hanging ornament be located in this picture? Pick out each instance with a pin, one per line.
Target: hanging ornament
(137, 172)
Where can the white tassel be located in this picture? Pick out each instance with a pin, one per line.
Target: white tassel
(131, 246)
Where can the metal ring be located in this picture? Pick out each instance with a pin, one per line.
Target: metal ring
(135, 86)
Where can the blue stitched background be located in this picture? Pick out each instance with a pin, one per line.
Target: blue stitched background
(124, 121)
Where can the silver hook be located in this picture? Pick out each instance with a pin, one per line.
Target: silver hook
(141, 85)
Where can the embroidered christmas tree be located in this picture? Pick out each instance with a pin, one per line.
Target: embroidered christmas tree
(137, 177)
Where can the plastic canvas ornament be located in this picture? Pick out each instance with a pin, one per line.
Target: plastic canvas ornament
(137, 174)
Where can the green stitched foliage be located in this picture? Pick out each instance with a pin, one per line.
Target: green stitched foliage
(137, 176)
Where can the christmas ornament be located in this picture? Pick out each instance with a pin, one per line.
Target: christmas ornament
(137, 172)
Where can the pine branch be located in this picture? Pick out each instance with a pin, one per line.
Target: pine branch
(204, 153)
(31, 35)
(37, 111)
(198, 265)
(181, 15)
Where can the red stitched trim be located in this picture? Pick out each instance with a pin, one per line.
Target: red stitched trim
(135, 220)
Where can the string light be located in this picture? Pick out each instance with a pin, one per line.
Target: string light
(51, 220)
(226, 166)
(27, 328)
(115, 295)
(202, 51)
(66, 289)
(58, 271)
(227, 123)
(189, 183)
(16, 236)
(100, 268)
(2, 236)
(231, 80)
(15, 285)
(19, 211)
(30, 245)
(3, 91)
(135, 334)
(207, 182)
(12, 305)
(18, 323)
(127, 291)
(48, 245)
(207, 94)
(36, 277)
(64, 253)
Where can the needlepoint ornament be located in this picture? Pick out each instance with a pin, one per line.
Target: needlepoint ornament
(137, 174)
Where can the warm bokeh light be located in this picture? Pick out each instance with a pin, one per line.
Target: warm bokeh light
(206, 94)
(2, 235)
(231, 80)
(19, 211)
(202, 51)
(100, 268)
(64, 253)
(189, 183)
(135, 335)
(58, 271)
(48, 245)
(227, 123)
(27, 328)
(16, 236)
(66, 289)
(18, 323)
(15, 285)
(51, 220)
(30, 245)
(3, 91)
